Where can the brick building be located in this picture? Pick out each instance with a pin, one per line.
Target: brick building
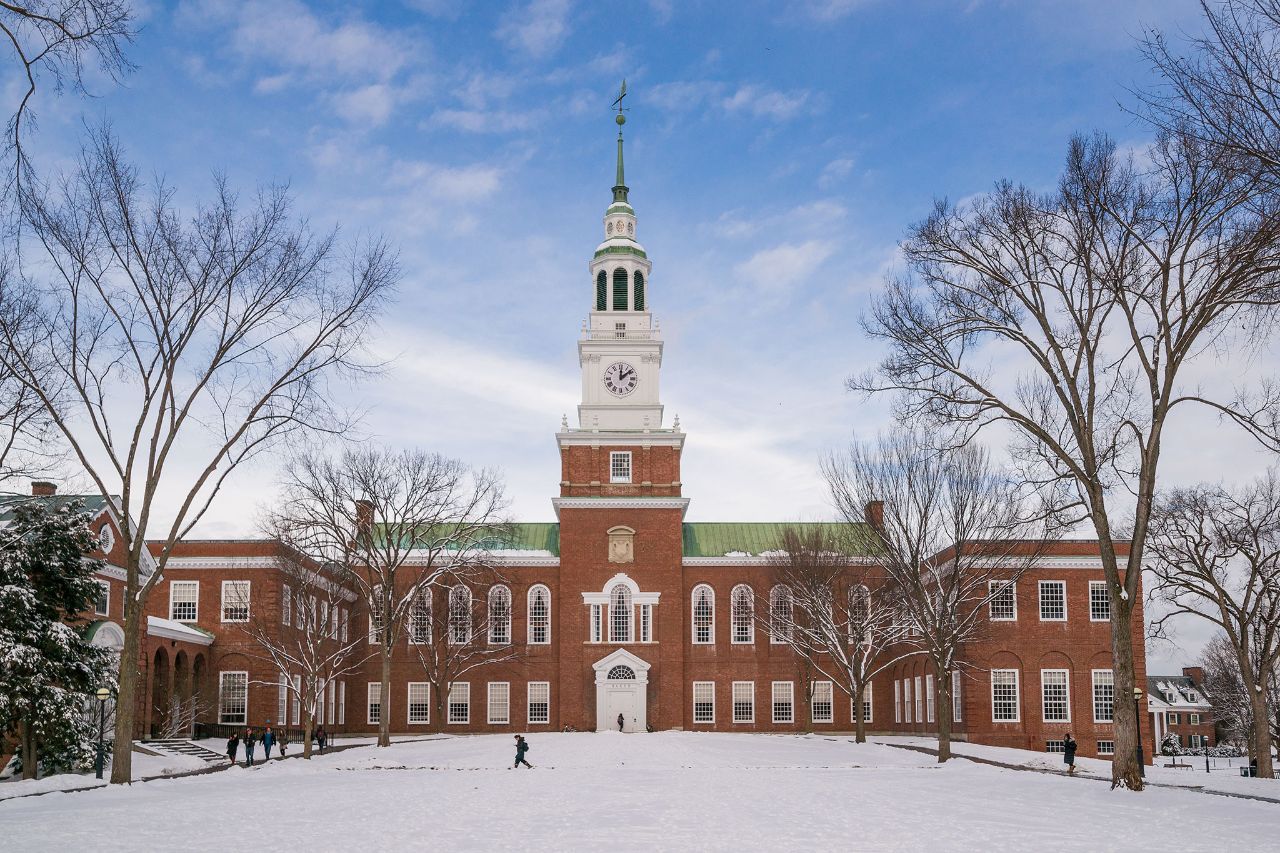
(626, 610)
(1178, 706)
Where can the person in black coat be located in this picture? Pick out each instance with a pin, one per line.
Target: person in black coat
(1069, 754)
(621, 722)
(522, 746)
(322, 738)
(233, 746)
(250, 738)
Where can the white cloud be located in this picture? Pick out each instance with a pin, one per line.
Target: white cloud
(777, 270)
(369, 105)
(452, 183)
(747, 99)
(835, 172)
(484, 121)
(765, 103)
(538, 29)
(830, 10)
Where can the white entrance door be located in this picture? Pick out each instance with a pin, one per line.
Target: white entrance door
(622, 700)
(622, 682)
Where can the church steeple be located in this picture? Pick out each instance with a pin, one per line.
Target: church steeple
(620, 185)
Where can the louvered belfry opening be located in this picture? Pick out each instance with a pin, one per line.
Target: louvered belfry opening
(639, 291)
(602, 291)
(620, 289)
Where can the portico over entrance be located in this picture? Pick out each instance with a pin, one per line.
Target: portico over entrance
(622, 684)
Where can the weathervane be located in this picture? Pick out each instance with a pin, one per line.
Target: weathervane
(622, 93)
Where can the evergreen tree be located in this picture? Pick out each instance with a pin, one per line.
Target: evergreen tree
(49, 672)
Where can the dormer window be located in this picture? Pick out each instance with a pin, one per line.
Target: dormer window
(620, 466)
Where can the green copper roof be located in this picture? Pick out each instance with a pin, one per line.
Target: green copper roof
(93, 504)
(718, 538)
(621, 250)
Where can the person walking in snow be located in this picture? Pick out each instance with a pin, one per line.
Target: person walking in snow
(284, 742)
(267, 740)
(249, 740)
(1069, 754)
(522, 746)
(621, 721)
(233, 746)
(322, 737)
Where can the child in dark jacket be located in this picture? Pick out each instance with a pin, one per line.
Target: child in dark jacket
(233, 746)
(522, 746)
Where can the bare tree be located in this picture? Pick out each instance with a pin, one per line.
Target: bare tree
(1232, 703)
(1215, 555)
(27, 448)
(835, 610)
(469, 630)
(180, 349)
(1094, 300)
(395, 523)
(179, 717)
(310, 646)
(950, 531)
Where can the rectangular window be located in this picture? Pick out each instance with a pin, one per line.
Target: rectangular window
(928, 684)
(1106, 747)
(956, 702)
(499, 703)
(704, 701)
(620, 466)
(784, 702)
(646, 623)
(867, 704)
(419, 702)
(345, 618)
(332, 703)
(919, 701)
(375, 702)
(597, 623)
(420, 618)
(184, 600)
(823, 702)
(906, 700)
(1104, 695)
(1055, 695)
(297, 699)
(235, 601)
(1193, 741)
(233, 696)
(1058, 746)
(375, 616)
(342, 704)
(897, 701)
(286, 605)
(1099, 602)
(744, 701)
(459, 703)
(282, 706)
(1174, 718)
(1195, 719)
(1053, 601)
(539, 702)
(102, 604)
(1004, 695)
(1003, 606)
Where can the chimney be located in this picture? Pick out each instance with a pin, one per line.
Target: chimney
(1195, 673)
(43, 489)
(364, 517)
(873, 512)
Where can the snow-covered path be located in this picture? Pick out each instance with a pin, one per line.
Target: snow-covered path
(631, 792)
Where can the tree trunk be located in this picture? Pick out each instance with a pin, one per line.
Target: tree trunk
(384, 718)
(1125, 770)
(30, 754)
(944, 713)
(308, 721)
(1261, 731)
(127, 697)
(859, 718)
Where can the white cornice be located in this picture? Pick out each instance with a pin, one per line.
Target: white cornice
(681, 504)
(620, 438)
(753, 560)
(223, 563)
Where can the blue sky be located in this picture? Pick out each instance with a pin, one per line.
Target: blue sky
(776, 153)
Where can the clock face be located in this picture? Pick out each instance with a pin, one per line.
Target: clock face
(621, 378)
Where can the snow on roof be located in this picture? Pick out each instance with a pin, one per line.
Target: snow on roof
(158, 627)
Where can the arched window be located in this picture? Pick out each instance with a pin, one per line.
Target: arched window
(620, 614)
(499, 615)
(781, 618)
(602, 290)
(459, 615)
(742, 608)
(704, 615)
(622, 673)
(420, 617)
(539, 616)
(619, 289)
(639, 291)
(860, 615)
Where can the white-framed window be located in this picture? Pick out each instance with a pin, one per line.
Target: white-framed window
(867, 705)
(282, 704)
(332, 695)
(459, 703)
(419, 702)
(539, 701)
(102, 604)
(897, 701)
(539, 616)
(1195, 719)
(333, 622)
(342, 703)
(1058, 746)
(784, 704)
(742, 612)
(286, 604)
(184, 600)
(823, 703)
(704, 701)
(1174, 718)
(1104, 696)
(499, 703)
(597, 623)
(906, 700)
(620, 466)
(1004, 696)
(233, 698)
(781, 618)
(919, 701)
(1055, 695)
(420, 617)
(1106, 747)
(499, 616)
(704, 615)
(1191, 696)
(744, 701)
(460, 615)
(957, 703)
(1053, 601)
(646, 623)
(621, 614)
(345, 619)
(860, 615)
(376, 617)
(297, 700)
(1003, 605)
(1099, 602)
(1193, 741)
(375, 703)
(930, 703)
(235, 601)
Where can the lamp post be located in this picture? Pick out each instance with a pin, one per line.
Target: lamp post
(103, 695)
(1137, 720)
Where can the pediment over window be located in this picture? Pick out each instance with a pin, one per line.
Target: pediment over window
(637, 595)
(621, 658)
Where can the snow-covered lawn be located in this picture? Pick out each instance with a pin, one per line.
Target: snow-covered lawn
(144, 766)
(663, 791)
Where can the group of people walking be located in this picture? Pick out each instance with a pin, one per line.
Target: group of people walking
(268, 739)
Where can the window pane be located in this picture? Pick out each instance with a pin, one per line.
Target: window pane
(704, 702)
(539, 701)
(703, 615)
(783, 702)
(1004, 604)
(1053, 600)
(419, 702)
(499, 702)
(539, 615)
(499, 616)
(823, 702)
(743, 614)
(744, 701)
(183, 596)
(233, 697)
(1004, 695)
(1099, 602)
(1104, 695)
(620, 615)
(460, 702)
(1056, 701)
